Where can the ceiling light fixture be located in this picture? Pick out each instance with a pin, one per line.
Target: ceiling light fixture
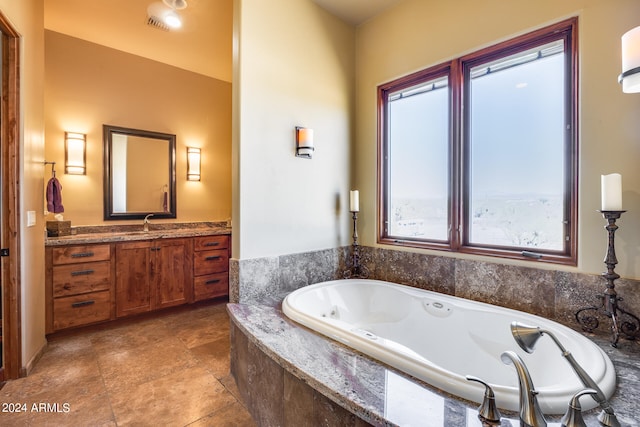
(163, 15)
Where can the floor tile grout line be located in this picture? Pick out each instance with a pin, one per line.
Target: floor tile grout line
(216, 368)
(104, 384)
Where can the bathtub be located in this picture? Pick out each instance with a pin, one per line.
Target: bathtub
(440, 339)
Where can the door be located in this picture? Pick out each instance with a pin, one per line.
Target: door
(11, 344)
(133, 278)
(171, 271)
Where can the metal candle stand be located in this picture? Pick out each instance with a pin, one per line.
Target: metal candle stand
(621, 320)
(355, 270)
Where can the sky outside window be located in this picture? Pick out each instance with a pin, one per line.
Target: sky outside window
(517, 155)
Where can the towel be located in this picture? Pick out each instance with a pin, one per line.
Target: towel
(54, 196)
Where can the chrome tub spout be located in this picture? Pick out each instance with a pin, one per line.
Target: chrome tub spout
(530, 412)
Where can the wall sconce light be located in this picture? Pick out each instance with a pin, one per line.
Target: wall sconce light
(304, 142)
(75, 153)
(193, 164)
(630, 77)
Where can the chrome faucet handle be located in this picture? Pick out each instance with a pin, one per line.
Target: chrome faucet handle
(488, 410)
(573, 416)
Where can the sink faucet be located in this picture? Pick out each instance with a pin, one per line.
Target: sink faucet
(145, 223)
(530, 412)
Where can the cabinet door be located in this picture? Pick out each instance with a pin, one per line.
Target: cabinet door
(171, 272)
(133, 281)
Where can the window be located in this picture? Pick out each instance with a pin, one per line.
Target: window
(479, 155)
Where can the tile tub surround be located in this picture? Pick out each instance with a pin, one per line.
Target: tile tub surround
(267, 280)
(556, 295)
(307, 375)
(128, 232)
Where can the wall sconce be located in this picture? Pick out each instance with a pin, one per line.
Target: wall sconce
(75, 153)
(304, 142)
(630, 77)
(193, 164)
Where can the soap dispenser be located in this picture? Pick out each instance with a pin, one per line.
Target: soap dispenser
(488, 410)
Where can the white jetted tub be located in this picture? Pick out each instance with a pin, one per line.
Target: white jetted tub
(440, 339)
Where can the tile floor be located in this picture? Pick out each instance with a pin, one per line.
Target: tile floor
(168, 370)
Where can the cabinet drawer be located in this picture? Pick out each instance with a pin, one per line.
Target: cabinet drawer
(74, 254)
(207, 262)
(206, 243)
(211, 285)
(81, 309)
(81, 278)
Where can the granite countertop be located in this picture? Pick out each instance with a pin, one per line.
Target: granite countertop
(107, 234)
(385, 396)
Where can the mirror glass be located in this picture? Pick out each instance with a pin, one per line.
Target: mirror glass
(139, 173)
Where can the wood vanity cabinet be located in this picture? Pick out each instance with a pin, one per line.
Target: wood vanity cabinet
(79, 286)
(152, 274)
(210, 266)
(91, 283)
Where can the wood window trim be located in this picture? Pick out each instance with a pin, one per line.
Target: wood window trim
(456, 185)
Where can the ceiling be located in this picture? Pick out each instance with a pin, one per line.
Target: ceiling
(122, 24)
(355, 12)
(208, 26)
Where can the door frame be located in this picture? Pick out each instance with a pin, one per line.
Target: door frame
(10, 200)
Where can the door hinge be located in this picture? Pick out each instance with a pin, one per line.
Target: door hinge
(4, 252)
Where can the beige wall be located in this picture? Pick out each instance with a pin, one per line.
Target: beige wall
(27, 18)
(294, 66)
(417, 34)
(88, 85)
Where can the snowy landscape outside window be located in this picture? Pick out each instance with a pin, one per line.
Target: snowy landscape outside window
(479, 154)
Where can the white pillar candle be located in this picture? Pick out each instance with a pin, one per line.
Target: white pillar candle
(354, 201)
(611, 192)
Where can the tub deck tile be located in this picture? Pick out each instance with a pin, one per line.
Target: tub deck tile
(380, 395)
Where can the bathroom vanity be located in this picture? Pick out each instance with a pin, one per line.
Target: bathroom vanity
(99, 277)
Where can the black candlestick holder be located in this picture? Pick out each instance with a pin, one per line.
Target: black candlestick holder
(355, 270)
(621, 321)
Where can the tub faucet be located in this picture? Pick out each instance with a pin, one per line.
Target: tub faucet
(527, 336)
(145, 223)
(530, 412)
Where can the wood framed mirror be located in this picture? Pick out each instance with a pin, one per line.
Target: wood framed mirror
(139, 173)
